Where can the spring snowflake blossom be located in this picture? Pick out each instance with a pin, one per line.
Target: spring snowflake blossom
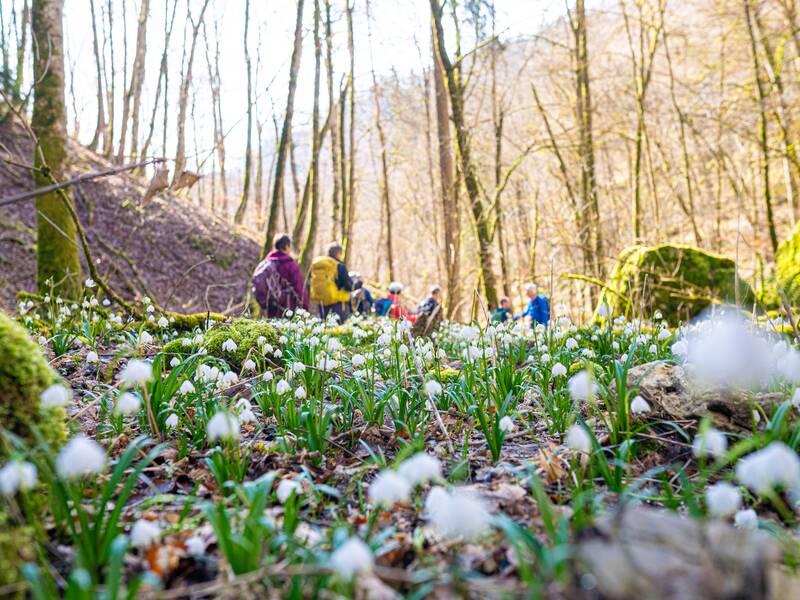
(773, 466)
(723, 499)
(127, 404)
(582, 386)
(17, 476)
(144, 533)
(285, 489)
(559, 370)
(249, 365)
(389, 488)
(222, 426)
(420, 468)
(136, 372)
(746, 519)
(56, 395)
(229, 345)
(282, 387)
(351, 558)
(506, 424)
(639, 406)
(578, 439)
(458, 514)
(92, 358)
(172, 421)
(711, 442)
(79, 457)
(433, 388)
(187, 387)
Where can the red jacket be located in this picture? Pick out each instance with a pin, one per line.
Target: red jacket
(397, 310)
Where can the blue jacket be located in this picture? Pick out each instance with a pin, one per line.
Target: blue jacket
(538, 310)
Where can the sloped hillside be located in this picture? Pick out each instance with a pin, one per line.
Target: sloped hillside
(183, 257)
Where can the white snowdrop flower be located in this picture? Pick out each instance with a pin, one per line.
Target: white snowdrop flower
(387, 353)
(187, 387)
(17, 476)
(174, 362)
(283, 340)
(545, 358)
(351, 558)
(437, 498)
(249, 365)
(300, 393)
(615, 346)
(468, 333)
(198, 339)
(441, 354)
(172, 421)
(559, 370)
(282, 387)
(389, 488)
(92, 358)
(146, 300)
(79, 457)
(56, 395)
(247, 415)
(93, 302)
(603, 310)
(222, 426)
(127, 404)
(403, 350)
(261, 340)
(298, 367)
(775, 465)
(268, 376)
(746, 519)
(711, 442)
(285, 489)
(136, 372)
(333, 345)
(228, 379)
(384, 339)
(145, 339)
(420, 468)
(639, 406)
(623, 359)
(433, 388)
(582, 387)
(150, 309)
(652, 349)
(723, 499)
(664, 334)
(106, 302)
(163, 322)
(42, 340)
(578, 439)
(144, 533)
(229, 345)
(461, 514)
(277, 353)
(571, 344)
(89, 283)
(506, 424)
(358, 360)
(658, 316)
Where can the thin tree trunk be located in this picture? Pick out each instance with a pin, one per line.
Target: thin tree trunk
(22, 44)
(133, 95)
(277, 190)
(108, 138)
(449, 196)
(98, 61)
(349, 210)
(335, 202)
(763, 128)
(57, 260)
(259, 189)
(183, 97)
(248, 153)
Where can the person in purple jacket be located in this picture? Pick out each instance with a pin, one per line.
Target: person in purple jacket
(278, 283)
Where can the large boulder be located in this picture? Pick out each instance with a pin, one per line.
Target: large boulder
(680, 281)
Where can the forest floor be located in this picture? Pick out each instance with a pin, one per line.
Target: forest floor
(183, 257)
(301, 458)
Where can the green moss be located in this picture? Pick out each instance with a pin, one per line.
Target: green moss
(184, 322)
(245, 333)
(680, 281)
(17, 546)
(787, 272)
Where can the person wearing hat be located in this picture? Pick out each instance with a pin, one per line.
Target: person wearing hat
(431, 302)
(396, 309)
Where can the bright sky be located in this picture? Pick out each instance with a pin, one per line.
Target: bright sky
(395, 27)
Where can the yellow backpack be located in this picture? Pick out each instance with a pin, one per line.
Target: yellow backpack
(323, 282)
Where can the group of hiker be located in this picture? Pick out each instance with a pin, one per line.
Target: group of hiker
(279, 288)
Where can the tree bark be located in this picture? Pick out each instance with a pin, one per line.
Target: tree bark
(98, 61)
(133, 95)
(57, 259)
(277, 190)
(335, 202)
(350, 207)
(248, 153)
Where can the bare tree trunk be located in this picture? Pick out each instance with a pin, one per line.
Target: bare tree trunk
(763, 128)
(277, 190)
(183, 97)
(248, 153)
(335, 202)
(162, 74)
(449, 196)
(22, 43)
(108, 137)
(134, 91)
(101, 119)
(385, 194)
(350, 207)
(57, 260)
(339, 226)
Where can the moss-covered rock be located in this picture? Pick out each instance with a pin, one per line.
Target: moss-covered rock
(680, 281)
(787, 272)
(24, 374)
(244, 333)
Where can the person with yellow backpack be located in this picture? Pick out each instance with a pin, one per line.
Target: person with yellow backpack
(330, 284)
